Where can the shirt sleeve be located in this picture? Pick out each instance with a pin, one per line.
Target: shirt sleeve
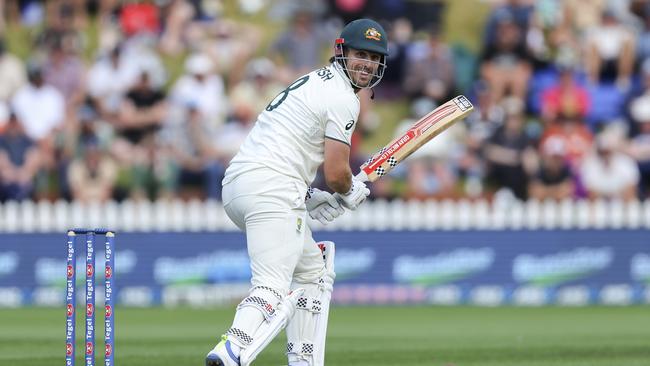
(341, 119)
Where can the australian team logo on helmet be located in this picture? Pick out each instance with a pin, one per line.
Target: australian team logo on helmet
(367, 35)
(372, 33)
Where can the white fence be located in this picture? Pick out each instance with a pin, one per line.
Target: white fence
(128, 216)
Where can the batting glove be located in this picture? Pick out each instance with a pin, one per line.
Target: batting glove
(322, 206)
(356, 195)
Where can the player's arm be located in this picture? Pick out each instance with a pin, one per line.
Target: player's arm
(341, 120)
(338, 176)
(336, 167)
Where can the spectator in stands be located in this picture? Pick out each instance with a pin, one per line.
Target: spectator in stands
(550, 39)
(429, 178)
(583, 15)
(93, 175)
(198, 163)
(488, 115)
(544, 32)
(231, 45)
(72, 12)
(578, 142)
(610, 53)
(65, 71)
(520, 11)
(142, 111)
(505, 64)
(553, 179)
(40, 108)
(510, 156)
(19, 162)
(429, 70)
(140, 54)
(607, 172)
(177, 17)
(109, 79)
(348, 11)
(139, 17)
(299, 49)
(12, 73)
(64, 21)
(399, 41)
(566, 97)
(141, 115)
(201, 88)
(643, 40)
(432, 170)
(639, 146)
(577, 138)
(249, 97)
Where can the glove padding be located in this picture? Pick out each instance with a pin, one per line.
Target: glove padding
(322, 206)
(355, 196)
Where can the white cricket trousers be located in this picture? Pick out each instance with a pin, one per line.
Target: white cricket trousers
(270, 209)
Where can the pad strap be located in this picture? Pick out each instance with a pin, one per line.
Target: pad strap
(310, 304)
(300, 348)
(269, 289)
(242, 337)
(262, 305)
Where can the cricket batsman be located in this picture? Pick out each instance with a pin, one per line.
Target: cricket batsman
(267, 194)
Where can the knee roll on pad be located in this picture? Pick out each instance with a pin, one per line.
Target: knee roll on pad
(263, 299)
(307, 329)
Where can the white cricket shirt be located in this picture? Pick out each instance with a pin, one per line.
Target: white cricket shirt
(289, 135)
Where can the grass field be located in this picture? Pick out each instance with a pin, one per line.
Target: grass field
(459, 336)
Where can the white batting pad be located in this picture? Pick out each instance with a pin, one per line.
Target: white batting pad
(270, 328)
(307, 330)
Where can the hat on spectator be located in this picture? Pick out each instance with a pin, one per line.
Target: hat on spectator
(640, 109)
(261, 67)
(198, 64)
(554, 145)
(513, 105)
(34, 68)
(608, 140)
(504, 15)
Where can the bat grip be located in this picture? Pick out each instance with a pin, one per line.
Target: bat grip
(362, 176)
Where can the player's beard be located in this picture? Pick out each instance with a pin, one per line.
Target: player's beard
(363, 75)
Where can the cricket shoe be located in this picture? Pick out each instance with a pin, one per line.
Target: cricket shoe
(222, 354)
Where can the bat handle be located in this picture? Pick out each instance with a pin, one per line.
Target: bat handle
(362, 176)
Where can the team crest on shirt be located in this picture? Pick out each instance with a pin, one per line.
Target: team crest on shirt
(372, 33)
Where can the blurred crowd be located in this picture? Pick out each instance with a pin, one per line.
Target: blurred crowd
(561, 92)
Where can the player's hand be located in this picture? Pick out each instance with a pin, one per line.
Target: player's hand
(322, 206)
(356, 195)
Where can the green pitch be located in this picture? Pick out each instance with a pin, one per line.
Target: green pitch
(458, 336)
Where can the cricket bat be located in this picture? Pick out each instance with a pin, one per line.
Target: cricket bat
(425, 129)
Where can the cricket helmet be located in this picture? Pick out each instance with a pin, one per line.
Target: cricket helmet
(367, 35)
